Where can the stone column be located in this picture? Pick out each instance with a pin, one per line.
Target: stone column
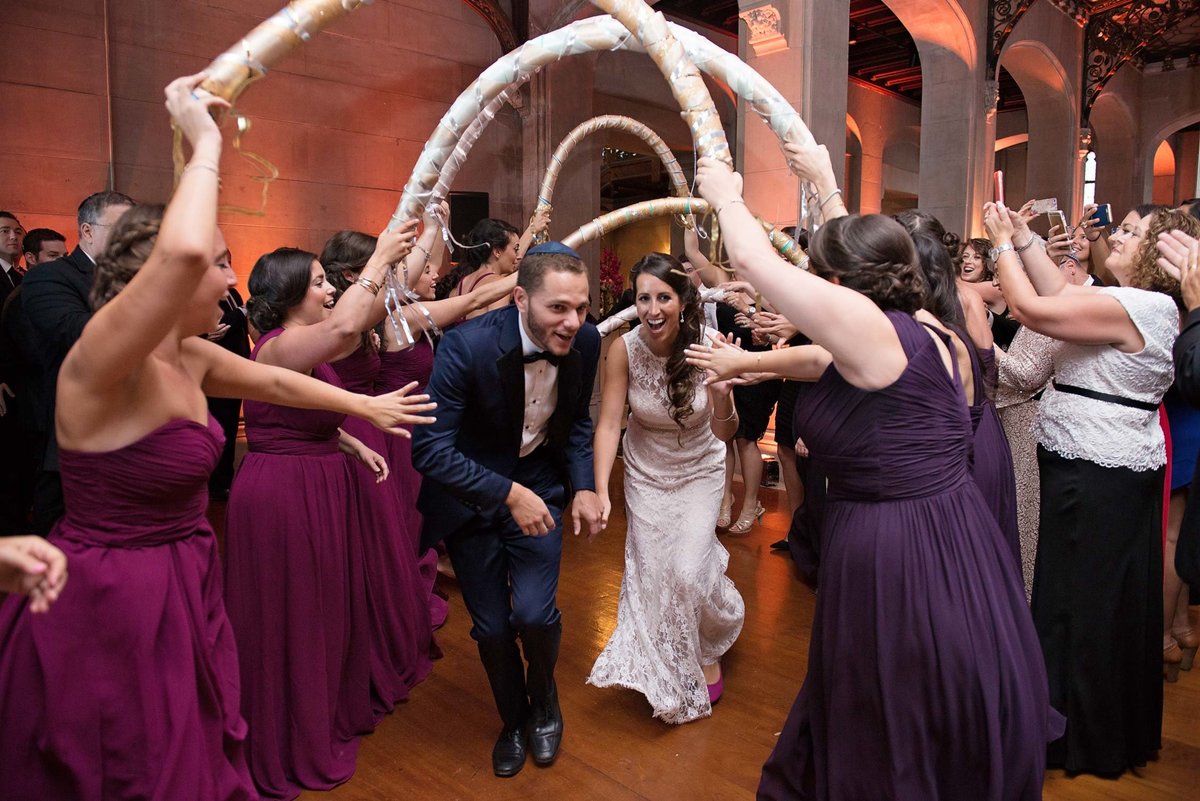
(801, 47)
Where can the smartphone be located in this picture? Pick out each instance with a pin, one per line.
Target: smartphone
(1043, 206)
(1102, 215)
(1059, 219)
(998, 185)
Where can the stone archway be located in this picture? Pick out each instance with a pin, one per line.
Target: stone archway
(1052, 159)
(1185, 152)
(852, 187)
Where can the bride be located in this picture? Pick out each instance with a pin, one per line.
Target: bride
(678, 612)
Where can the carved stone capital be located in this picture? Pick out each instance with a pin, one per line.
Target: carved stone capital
(766, 29)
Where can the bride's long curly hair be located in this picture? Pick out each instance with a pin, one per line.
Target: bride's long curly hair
(681, 376)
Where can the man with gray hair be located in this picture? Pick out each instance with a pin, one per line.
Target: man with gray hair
(54, 304)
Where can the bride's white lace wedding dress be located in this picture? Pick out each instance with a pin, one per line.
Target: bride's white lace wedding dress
(678, 609)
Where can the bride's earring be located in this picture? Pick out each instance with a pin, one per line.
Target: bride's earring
(681, 318)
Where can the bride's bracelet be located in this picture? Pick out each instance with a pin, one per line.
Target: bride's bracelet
(732, 413)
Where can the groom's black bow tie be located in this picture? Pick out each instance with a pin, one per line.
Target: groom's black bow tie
(554, 359)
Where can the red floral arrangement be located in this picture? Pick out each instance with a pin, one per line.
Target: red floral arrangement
(612, 283)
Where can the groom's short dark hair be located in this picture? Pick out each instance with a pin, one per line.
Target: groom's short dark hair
(532, 272)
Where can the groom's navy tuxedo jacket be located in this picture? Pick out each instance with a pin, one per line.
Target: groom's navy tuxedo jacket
(469, 454)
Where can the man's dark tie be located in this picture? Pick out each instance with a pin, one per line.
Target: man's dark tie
(540, 355)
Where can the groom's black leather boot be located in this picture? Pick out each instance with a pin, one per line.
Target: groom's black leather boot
(546, 722)
(506, 674)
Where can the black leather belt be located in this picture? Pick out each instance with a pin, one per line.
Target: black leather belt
(1104, 396)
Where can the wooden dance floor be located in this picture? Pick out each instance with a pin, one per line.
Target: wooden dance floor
(437, 745)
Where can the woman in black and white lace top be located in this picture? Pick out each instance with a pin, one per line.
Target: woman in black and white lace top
(1097, 590)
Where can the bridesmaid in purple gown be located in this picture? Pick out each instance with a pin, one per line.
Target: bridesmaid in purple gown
(962, 315)
(925, 680)
(129, 687)
(316, 644)
(400, 636)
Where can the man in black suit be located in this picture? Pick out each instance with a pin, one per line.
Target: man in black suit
(232, 334)
(512, 443)
(12, 234)
(43, 245)
(54, 301)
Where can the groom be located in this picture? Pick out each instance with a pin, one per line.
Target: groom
(512, 442)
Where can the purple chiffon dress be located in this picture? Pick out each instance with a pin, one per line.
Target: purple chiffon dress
(398, 369)
(295, 592)
(128, 686)
(925, 678)
(991, 463)
(401, 636)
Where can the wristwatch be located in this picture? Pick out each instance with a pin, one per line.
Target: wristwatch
(995, 252)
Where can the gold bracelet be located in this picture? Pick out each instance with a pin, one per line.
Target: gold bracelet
(421, 248)
(368, 284)
(732, 413)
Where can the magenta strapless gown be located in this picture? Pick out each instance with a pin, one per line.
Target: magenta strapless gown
(296, 598)
(925, 675)
(401, 635)
(128, 687)
(398, 369)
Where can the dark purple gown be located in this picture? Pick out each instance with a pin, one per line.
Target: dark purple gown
(128, 686)
(294, 587)
(397, 369)
(991, 464)
(401, 637)
(925, 679)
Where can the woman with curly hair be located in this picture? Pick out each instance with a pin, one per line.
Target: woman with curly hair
(678, 612)
(1098, 578)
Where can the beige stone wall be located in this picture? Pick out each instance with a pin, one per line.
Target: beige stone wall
(343, 118)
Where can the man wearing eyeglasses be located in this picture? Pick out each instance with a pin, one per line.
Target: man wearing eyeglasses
(54, 304)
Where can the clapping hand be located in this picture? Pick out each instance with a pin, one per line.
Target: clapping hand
(1179, 257)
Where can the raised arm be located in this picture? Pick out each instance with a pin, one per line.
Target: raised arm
(539, 223)
(360, 307)
(710, 274)
(859, 337)
(1087, 318)
(812, 163)
(124, 332)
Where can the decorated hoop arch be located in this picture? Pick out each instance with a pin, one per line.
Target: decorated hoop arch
(631, 24)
